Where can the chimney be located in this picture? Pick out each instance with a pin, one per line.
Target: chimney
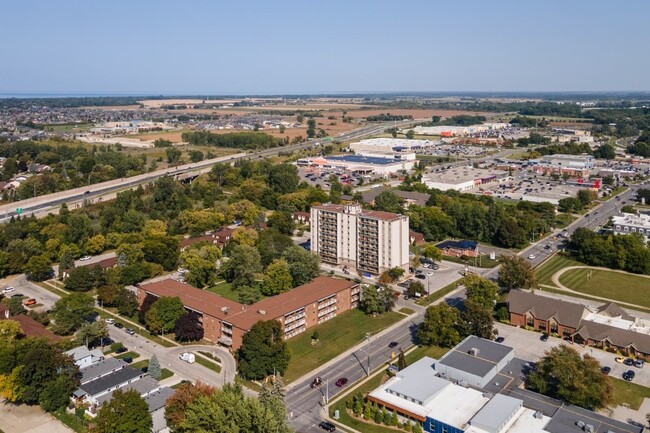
(473, 351)
(224, 310)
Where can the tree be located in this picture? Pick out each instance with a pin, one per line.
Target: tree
(249, 295)
(431, 253)
(39, 268)
(82, 279)
(91, 332)
(71, 311)
(565, 375)
(126, 412)
(606, 151)
(95, 244)
(163, 250)
(277, 278)
(66, 261)
(188, 327)
(196, 156)
(416, 289)
(202, 270)
(303, 265)
(516, 273)
(263, 351)
(281, 221)
(154, 369)
(388, 201)
(173, 155)
(569, 204)
(586, 196)
(440, 326)
(9, 330)
(242, 266)
(376, 300)
(481, 290)
(163, 314)
(311, 128)
(401, 360)
(395, 273)
(477, 320)
(15, 306)
(127, 302)
(283, 178)
(410, 134)
(177, 404)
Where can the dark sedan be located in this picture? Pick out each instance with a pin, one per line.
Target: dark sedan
(342, 381)
(629, 375)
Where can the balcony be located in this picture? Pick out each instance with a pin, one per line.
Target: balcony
(327, 303)
(294, 325)
(226, 330)
(294, 317)
(327, 317)
(326, 311)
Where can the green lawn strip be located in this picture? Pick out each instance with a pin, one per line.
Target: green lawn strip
(136, 327)
(407, 311)
(629, 393)
(591, 298)
(426, 300)
(619, 286)
(419, 352)
(563, 219)
(144, 365)
(482, 262)
(51, 288)
(130, 353)
(210, 355)
(335, 337)
(208, 364)
(551, 266)
(248, 383)
(72, 421)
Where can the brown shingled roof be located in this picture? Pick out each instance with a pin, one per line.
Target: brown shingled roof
(29, 326)
(542, 307)
(245, 316)
(616, 336)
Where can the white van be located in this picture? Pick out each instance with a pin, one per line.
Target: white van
(188, 357)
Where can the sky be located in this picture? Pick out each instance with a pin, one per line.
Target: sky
(310, 47)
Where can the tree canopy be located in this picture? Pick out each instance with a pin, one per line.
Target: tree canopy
(263, 351)
(516, 273)
(126, 412)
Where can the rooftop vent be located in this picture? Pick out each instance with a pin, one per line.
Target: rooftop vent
(539, 414)
(224, 310)
(262, 312)
(474, 351)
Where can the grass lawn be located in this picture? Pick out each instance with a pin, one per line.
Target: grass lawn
(628, 392)
(144, 365)
(335, 337)
(137, 328)
(248, 383)
(208, 364)
(482, 262)
(130, 353)
(419, 352)
(550, 267)
(406, 310)
(224, 289)
(426, 300)
(72, 421)
(563, 219)
(52, 289)
(622, 287)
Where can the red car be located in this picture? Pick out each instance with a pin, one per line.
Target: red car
(342, 381)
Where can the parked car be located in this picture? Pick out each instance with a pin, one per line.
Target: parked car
(118, 325)
(628, 361)
(629, 375)
(127, 359)
(342, 381)
(29, 302)
(84, 258)
(110, 321)
(620, 359)
(605, 370)
(17, 295)
(130, 331)
(420, 276)
(500, 339)
(639, 363)
(121, 349)
(531, 257)
(327, 426)
(8, 290)
(544, 337)
(188, 357)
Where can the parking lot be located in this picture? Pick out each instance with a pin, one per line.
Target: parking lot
(531, 187)
(318, 176)
(457, 150)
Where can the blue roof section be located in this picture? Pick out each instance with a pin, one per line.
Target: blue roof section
(362, 159)
(463, 245)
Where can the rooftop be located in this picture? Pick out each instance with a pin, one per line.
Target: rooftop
(142, 386)
(543, 307)
(116, 378)
(458, 175)
(157, 399)
(488, 349)
(564, 421)
(496, 413)
(360, 159)
(82, 352)
(420, 383)
(29, 326)
(101, 368)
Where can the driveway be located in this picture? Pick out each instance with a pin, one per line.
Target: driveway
(527, 345)
(30, 290)
(28, 419)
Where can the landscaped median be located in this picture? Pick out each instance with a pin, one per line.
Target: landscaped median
(334, 337)
(427, 300)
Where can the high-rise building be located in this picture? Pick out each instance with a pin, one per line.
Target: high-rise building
(370, 241)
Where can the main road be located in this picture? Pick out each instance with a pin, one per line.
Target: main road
(40, 206)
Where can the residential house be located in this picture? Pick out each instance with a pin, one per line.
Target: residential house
(85, 357)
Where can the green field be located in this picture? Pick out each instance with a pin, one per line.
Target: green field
(619, 286)
(335, 337)
(224, 289)
(551, 266)
(628, 392)
(130, 353)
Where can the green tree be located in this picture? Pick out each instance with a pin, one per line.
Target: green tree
(481, 290)
(282, 221)
(9, 330)
(242, 266)
(563, 374)
(440, 326)
(477, 320)
(154, 369)
(196, 156)
(163, 314)
(388, 201)
(283, 178)
(586, 196)
(431, 253)
(173, 155)
(163, 250)
(81, 279)
(311, 128)
(66, 261)
(516, 273)
(126, 412)
(91, 332)
(410, 134)
(248, 295)
(176, 406)
(127, 303)
(15, 306)
(303, 265)
(277, 278)
(263, 351)
(401, 360)
(95, 244)
(71, 311)
(39, 268)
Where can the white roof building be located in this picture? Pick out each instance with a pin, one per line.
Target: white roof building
(629, 223)
(84, 357)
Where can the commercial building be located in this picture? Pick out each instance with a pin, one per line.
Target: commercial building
(371, 241)
(465, 178)
(570, 165)
(607, 327)
(385, 145)
(629, 223)
(459, 248)
(225, 321)
(378, 164)
(459, 131)
(445, 396)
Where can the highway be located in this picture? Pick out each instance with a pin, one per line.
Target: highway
(41, 205)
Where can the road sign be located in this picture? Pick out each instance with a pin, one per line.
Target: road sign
(19, 210)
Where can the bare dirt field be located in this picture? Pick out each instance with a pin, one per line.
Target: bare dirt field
(415, 112)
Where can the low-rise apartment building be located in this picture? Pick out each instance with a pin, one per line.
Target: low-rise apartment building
(225, 321)
(629, 223)
(371, 241)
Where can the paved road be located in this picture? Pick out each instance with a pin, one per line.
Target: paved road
(31, 290)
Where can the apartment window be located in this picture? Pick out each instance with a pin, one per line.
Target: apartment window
(618, 227)
(626, 229)
(541, 326)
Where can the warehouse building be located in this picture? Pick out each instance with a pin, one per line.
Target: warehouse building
(465, 178)
(361, 164)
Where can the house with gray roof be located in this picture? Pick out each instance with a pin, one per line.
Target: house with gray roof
(84, 357)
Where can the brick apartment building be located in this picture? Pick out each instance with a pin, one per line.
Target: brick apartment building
(225, 321)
